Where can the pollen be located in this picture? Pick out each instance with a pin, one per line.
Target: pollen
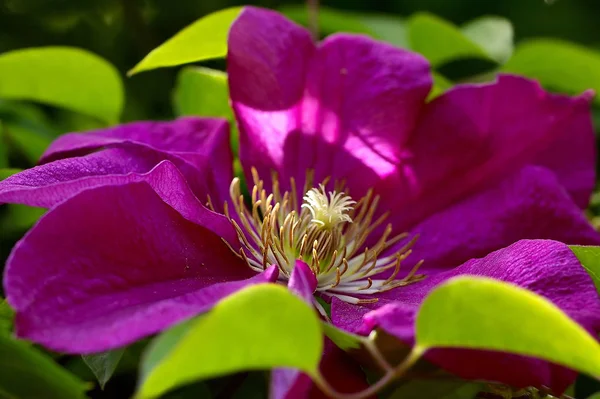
(328, 211)
(328, 230)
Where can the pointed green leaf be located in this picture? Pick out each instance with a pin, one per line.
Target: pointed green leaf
(343, 339)
(204, 92)
(25, 372)
(589, 256)
(203, 40)
(481, 313)
(260, 327)
(64, 77)
(557, 64)
(439, 40)
(103, 365)
(493, 34)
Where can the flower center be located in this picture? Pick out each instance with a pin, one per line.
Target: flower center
(328, 232)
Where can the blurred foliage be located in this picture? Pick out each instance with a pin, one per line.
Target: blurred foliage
(124, 31)
(465, 40)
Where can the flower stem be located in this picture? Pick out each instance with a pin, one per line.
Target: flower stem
(313, 18)
(389, 376)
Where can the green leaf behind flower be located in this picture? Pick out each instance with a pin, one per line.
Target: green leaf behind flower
(557, 64)
(25, 372)
(439, 40)
(486, 314)
(589, 256)
(203, 40)
(389, 28)
(259, 327)
(343, 339)
(493, 34)
(103, 365)
(204, 92)
(6, 317)
(65, 77)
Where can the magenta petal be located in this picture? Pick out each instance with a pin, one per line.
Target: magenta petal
(297, 104)
(548, 268)
(202, 143)
(48, 184)
(529, 204)
(475, 135)
(267, 64)
(362, 101)
(303, 282)
(116, 263)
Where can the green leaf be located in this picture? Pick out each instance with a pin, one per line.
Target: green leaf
(204, 92)
(103, 365)
(27, 373)
(493, 34)
(6, 317)
(589, 256)
(203, 40)
(28, 140)
(18, 218)
(4, 173)
(379, 26)
(259, 327)
(594, 396)
(440, 85)
(64, 77)
(440, 41)
(481, 313)
(557, 64)
(344, 340)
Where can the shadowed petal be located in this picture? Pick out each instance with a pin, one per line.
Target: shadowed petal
(48, 184)
(116, 263)
(342, 372)
(475, 135)
(201, 144)
(548, 268)
(530, 204)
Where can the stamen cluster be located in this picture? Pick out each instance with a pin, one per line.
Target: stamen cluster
(328, 232)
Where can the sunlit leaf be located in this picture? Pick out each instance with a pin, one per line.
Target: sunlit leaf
(440, 41)
(203, 40)
(204, 92)
(481, 313)
(103, 365)
(27, 373)
(589, 257)
(66, 77)
(259, 327)
(341, 338)
(557, 64)
(493, 34)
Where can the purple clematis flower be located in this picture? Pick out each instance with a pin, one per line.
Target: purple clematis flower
(346, 156)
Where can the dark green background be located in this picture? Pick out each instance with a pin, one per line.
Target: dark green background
(123, 31)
